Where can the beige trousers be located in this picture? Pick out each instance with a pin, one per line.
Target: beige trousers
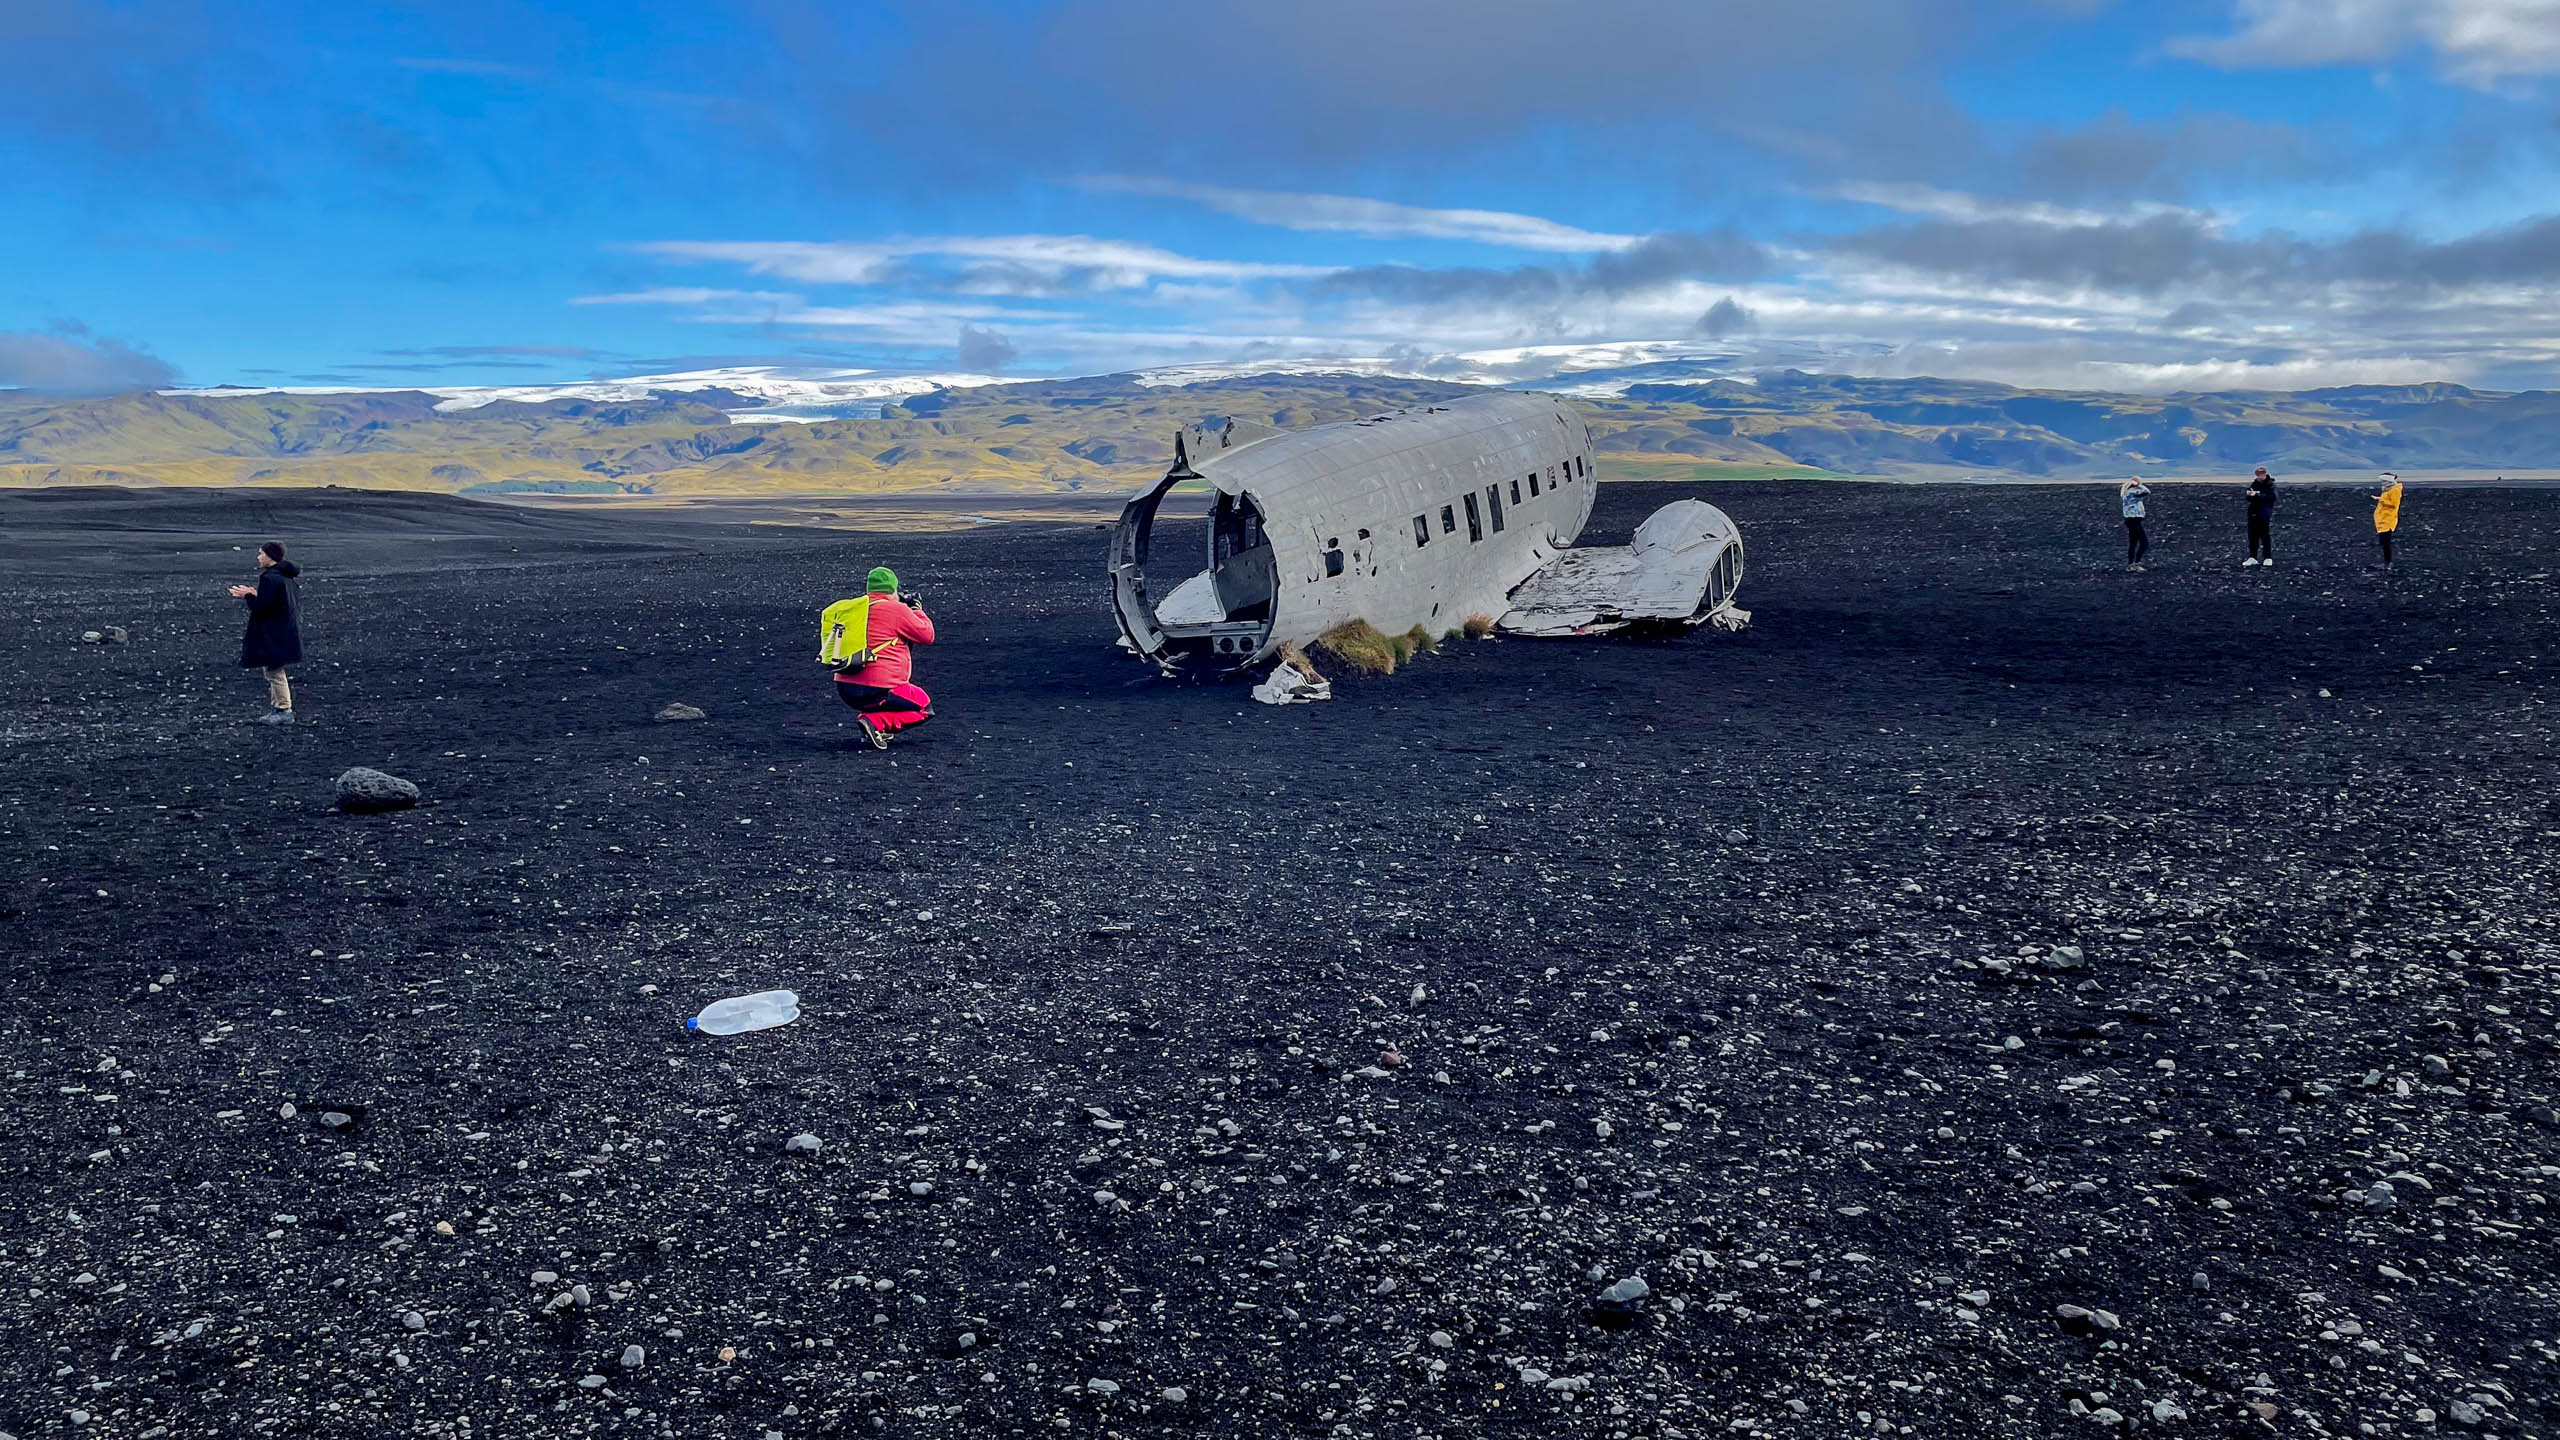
(279, 689)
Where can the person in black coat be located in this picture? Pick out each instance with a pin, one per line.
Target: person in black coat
(274, 638)
(2262, 515)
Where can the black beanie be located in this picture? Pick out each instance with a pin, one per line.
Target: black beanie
(273, 550)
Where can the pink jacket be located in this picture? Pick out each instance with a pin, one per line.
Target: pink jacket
(893, 628)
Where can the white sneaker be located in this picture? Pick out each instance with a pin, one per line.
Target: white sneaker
(2252, 560)
(2269, 562)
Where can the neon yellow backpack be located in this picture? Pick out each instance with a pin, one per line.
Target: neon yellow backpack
(844, 634)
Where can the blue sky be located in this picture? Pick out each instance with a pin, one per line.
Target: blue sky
(2166, 195)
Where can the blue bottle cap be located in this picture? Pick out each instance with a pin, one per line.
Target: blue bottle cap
(693, 1022)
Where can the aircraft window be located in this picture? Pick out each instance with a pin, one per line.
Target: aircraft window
(1515, 492)
(1580, 467)
(1448, 520)
(1364, 534)
(1421, 531)
(1551, 473)
(1333, 558)
(1493, 502)
(1533, 482)
(1475, 520)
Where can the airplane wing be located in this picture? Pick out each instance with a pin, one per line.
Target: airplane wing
(1682, 568)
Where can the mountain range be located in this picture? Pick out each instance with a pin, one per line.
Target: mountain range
(724, 435)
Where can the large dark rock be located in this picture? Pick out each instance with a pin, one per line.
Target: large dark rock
(365, 792)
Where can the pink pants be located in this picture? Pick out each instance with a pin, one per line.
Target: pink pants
(891, 707)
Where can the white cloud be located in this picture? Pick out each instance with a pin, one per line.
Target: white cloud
(1956, 205)
(974, 264)
(2094, 366)
(2479, 42)
(919, 317)
(1374, 219)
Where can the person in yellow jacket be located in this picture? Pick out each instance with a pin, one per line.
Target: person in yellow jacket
(2386, 515)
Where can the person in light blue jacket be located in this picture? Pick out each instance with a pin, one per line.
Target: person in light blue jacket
(2136, 543)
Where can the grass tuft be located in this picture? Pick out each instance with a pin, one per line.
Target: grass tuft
(1479, 626)
(1419, 641)
(1364, 648)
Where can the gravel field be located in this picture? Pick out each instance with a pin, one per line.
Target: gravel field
(1995, 995)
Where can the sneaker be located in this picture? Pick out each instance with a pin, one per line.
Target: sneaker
(276, 717)
(878, 737)
(2269, 562)
(2139, 569)
(2245, 564)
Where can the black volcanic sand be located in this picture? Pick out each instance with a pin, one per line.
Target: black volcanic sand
(1734, 963)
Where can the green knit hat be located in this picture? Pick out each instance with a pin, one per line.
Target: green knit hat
(883, 581)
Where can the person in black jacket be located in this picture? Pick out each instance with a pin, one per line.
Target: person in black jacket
(274, 638)
(2262, 515)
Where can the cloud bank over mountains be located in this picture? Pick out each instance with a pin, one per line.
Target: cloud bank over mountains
(68, 360)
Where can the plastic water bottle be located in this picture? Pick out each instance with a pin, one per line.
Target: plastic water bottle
(760, 1011)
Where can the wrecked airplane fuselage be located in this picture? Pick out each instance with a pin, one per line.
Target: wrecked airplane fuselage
(1424, 517)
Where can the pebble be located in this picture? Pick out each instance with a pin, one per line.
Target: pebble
(286, 1111)
(1173, 1394)
(920, 1188)
(633, 1357)
(1626, 1292)
(1103, 1387)
(2164, 1412)
(413, 1321)
(363, 791)
(592, 1382)
(546, 1277)
(336, 1119)
(2380, 1196)
(679, 712)
(804, 1143)
(1443, 1340)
